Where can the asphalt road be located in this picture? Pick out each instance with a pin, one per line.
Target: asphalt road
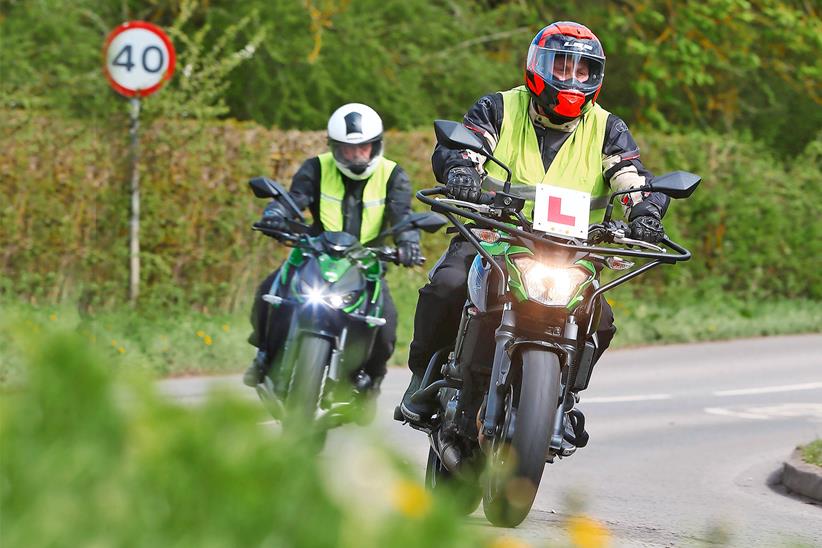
(684, 439)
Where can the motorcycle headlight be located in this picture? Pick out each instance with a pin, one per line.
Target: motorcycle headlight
(549, 285)
(337, 300)
(319, 295)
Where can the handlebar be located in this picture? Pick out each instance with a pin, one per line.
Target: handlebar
(446, 206)
(392, 255)
(384, 253)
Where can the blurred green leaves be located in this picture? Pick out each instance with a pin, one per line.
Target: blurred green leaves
(90, 458)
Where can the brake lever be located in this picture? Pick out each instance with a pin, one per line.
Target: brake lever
(640, 243)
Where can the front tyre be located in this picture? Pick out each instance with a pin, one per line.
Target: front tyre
(516, 466)
(307, 378)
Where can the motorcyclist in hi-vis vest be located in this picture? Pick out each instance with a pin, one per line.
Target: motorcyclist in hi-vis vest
(549, 130)
(352, 188)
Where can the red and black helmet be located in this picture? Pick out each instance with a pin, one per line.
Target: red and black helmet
(565, 69)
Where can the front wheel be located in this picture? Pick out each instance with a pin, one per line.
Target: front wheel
(307, 378)
(516, 467)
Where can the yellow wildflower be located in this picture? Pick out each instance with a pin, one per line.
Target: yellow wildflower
(53, 317)
(586, 532)
(225, 327)
(200, 333)
(114, 343)
(121, 350)
(207, 340)
(410, 498)
(508, 542)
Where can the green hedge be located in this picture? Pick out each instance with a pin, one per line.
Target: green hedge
(753, 225)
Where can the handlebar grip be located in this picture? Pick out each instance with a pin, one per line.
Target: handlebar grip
(486, 198)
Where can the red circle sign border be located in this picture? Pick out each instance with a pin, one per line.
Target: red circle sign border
(172, 57)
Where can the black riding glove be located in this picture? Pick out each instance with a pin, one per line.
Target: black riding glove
(463, 184)
(644, 221)
(647, 228)
(273, 217)
(408, 253)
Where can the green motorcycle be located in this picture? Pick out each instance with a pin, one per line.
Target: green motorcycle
(331, 288)
(527, 338)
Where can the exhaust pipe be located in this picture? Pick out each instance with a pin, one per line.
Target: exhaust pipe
(450, 454)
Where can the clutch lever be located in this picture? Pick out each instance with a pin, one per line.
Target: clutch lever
(479, 208)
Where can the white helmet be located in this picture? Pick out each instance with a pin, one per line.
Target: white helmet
(355, 124)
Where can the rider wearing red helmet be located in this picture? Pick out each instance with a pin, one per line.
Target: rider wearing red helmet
(550, 129)
(564, 69)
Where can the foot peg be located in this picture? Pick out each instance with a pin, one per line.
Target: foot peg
(398, 416)
(579, 437)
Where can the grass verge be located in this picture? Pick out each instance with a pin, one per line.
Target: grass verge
(812, 453)
(185, 342)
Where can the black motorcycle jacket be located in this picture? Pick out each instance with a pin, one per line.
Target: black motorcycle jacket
(305, 190)
(622, 167)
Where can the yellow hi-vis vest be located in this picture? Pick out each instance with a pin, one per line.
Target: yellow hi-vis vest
(578, 164)
(332, 192)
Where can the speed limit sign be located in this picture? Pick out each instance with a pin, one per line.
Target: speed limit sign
(139, 58)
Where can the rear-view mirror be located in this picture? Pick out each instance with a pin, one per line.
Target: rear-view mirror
(429, 222)
(678, 184)
(456, 136)
(263, 187)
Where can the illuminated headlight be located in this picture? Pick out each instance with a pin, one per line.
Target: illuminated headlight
(313, 295)
(316, 295)
(549, 285)
(341, 301)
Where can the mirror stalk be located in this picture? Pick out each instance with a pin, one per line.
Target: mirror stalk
(507, 187)
(609, 209)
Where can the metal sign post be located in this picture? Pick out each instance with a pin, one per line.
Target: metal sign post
(134, 225)
(138, 58)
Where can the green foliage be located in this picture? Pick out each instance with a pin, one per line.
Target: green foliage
(713, 317)
(723, 64)
(50, 58)
(90, 458)
(204, 67)
(751, 66)
(167, 342)
(812, 453)
(411, 61)
(752, 225)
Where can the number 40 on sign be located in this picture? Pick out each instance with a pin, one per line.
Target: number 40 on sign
(138, 58)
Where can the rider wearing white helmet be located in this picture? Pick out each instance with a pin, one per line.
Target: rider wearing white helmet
(355, 140)
(351, 188)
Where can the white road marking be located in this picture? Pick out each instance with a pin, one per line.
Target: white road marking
(790, 410)
(621, 399)
(812, 411)
(737, 414)
(769, 389)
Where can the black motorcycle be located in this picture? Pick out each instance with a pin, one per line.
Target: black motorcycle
(526, 341)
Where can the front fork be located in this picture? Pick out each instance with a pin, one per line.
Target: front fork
(504, 336)
(499, 373)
